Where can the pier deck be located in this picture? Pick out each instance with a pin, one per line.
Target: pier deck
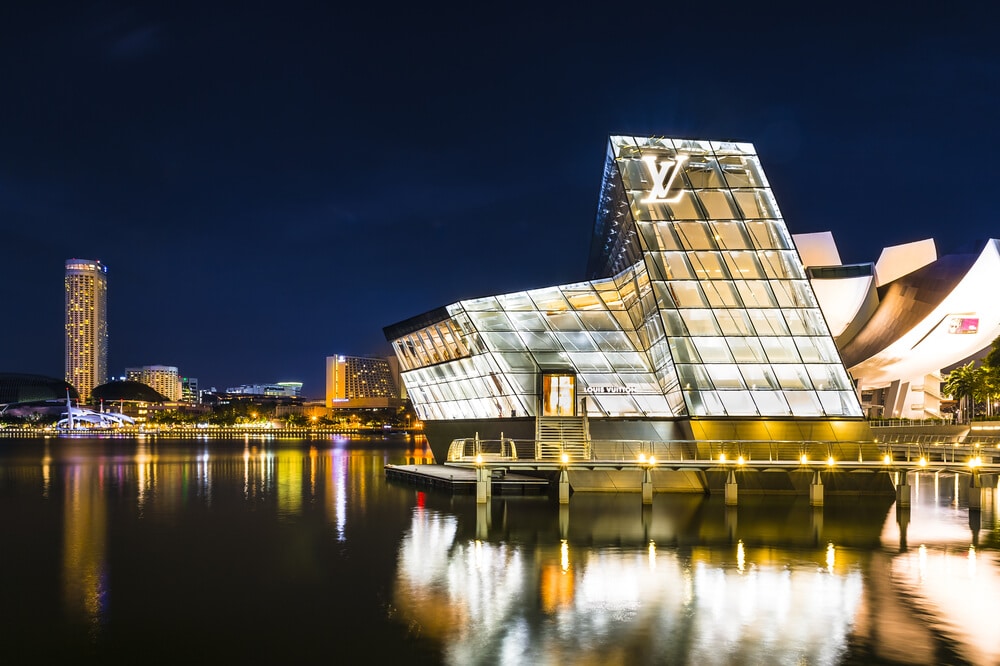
(462, 480)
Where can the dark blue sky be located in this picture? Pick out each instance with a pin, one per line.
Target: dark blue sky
(273, 183)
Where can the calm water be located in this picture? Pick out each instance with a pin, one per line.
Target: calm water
(228, 551)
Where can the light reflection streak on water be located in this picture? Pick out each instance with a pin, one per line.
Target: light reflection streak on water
(340, 494)
(84, 545)
(741, 557)
(831, 557)
(145, 470)
(962, 597)
(246, 472)
(616, 598)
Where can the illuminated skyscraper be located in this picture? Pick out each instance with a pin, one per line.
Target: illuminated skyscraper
(86, 325)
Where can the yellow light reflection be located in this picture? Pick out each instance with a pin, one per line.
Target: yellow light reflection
(564, 555)
(652, 555)
(831, 557)
(741, 557)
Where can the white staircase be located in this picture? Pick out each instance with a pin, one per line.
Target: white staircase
(558, 435)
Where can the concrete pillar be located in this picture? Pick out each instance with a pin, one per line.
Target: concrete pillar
(902, 491)
(482, 521)
(483, 490)
(647, 486)
(817, 524)
(563, 487)
(903, 520)
(731, 489)
(816, 491)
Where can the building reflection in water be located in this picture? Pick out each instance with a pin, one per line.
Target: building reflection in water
(84, 572)
(692, 585)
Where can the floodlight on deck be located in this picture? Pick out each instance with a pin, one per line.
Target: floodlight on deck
(642, 457)
(652, 460)
(803, 459)
(479, 459)
(722, 457)
(740, 460)
(887, 459)
(565, 458)
(830, 461)
(923, 461)
(975, 462)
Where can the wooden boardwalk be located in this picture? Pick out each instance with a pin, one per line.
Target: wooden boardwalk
(462, 480)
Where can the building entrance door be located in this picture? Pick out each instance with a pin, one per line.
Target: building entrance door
(558, 394)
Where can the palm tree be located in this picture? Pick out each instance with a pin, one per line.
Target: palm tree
(964, 384)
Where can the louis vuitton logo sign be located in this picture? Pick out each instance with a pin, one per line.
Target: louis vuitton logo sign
(664, 173)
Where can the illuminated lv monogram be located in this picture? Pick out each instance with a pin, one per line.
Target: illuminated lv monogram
(663, 175)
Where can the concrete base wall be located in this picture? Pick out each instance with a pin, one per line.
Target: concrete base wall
(630, 481)
(749, 482)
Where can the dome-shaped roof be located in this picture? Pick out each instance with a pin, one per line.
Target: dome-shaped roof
(18, 387)
(127, 390)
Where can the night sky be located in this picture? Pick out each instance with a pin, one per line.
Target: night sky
(273, 183)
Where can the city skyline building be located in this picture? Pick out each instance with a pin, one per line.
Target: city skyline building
(164, 379)
(274, 389)
(696, 322)
(362, 382)
(86, 325)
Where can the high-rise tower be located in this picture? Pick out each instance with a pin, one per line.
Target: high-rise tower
(86, 325)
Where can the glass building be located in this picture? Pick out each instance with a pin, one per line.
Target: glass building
(696, 315)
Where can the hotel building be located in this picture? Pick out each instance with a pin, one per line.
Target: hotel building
(86, 287)
(361, 382)
(696, 322)
(164, 379)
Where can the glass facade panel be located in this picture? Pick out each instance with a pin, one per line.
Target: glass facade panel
(803, 403)
(738, 403)
(746, 350)
(717, 204)
(515, 302)
(770, 403)
(792, 376)
(725, 376)
(780, 350)
(713, 350)
(731, 235)
(687, 294)
(700, 322)
(693, 376)
(695, 236)
(491, 321)
(769, 235)
(527, 320)
(756, 294)
(721, 294)
(734, 322)
(509, 341)
(758, 377)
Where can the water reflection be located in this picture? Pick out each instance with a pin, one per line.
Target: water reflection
(308, 539)
(688, 580)
(675, 582)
